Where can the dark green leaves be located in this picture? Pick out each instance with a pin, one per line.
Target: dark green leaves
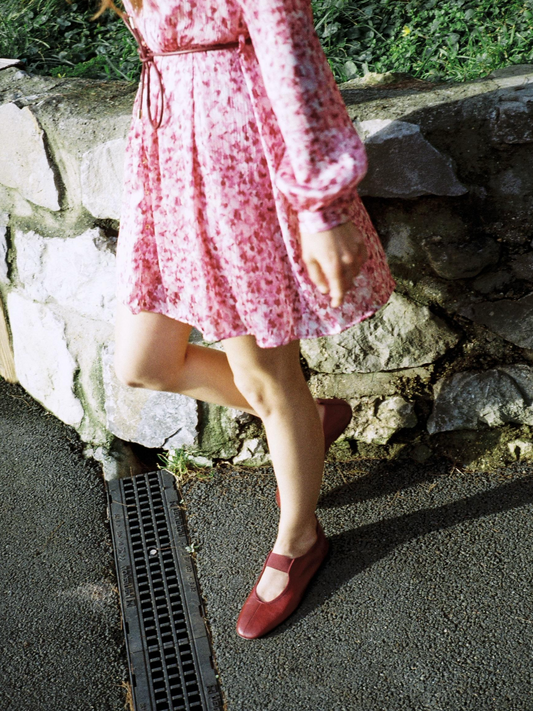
(430, 39)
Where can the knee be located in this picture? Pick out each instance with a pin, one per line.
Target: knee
(262, 390)
(137, 375)
(255, 391)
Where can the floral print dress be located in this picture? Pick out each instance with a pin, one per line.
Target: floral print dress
(255, 144)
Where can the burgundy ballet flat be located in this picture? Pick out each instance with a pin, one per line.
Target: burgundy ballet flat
(337, 416)
(257, 617)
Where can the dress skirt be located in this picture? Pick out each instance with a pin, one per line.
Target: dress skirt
(255, 145)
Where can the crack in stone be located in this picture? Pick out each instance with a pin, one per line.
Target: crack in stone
(170, 436)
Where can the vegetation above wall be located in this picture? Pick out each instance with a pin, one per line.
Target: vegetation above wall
(442, 40)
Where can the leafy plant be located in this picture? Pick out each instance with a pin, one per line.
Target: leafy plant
(57, 37)
(429, 39)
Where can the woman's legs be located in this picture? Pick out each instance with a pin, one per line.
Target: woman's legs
(152, 351)
(272, 381)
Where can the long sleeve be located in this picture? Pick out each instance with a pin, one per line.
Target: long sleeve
(323, 158)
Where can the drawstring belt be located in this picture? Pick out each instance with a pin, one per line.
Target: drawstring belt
(147, 58)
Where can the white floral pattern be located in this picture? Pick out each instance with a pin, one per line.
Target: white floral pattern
(255, 143)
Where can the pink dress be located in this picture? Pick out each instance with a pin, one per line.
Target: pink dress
(255, 143)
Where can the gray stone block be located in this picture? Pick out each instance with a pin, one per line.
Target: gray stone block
(254, 452)
(402, 163)
(401, 335)
(24, 163)
(102, 174)
(44, 364)
(512, 320)
(522, 266)
(511, 122)
(377, 419)
(74, 272)
(462, 260)
(4, 221)
(151, 418)
(491, 398)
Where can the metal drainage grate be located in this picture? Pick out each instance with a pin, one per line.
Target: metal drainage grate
(169, 656)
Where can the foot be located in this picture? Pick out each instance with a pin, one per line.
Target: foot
(258, 617)
(273, 582)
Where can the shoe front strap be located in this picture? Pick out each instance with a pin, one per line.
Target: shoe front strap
(279, 562)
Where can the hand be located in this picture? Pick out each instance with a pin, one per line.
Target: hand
(334, 258)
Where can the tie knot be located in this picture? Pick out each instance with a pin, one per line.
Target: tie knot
(145, 53)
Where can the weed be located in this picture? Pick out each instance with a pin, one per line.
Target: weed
(57, 37)
(179, 463)
(429, 39)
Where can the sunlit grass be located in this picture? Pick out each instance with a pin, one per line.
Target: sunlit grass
(429, 39)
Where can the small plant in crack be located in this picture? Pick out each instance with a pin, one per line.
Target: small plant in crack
(179, 463)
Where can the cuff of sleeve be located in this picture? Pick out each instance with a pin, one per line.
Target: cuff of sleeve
(337, 213)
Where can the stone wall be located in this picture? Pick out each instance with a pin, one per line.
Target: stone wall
(445, 367)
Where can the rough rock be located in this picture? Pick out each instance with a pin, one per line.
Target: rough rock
(512, 121)
(199, 461)
(492, 282)
(5, 63)
(151, 418)
(512, 320)
(118, 461)
(352, 386)
(221, 426)
(102, 174)
(44, 364)
(521, 449)
(522, 266)
(4, 221)
(77, 272)
(254, 452)
(461, 261)
(402, 163)
(24, 163)
(401, 335)
(85, 338)
(476, 399)
(376, 420)
(404, 227)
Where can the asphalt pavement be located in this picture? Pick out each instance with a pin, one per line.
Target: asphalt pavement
(425, 602)
(61, 643)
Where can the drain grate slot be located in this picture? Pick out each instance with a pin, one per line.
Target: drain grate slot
(169, 656)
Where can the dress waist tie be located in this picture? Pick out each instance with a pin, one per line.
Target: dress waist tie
(147, 58)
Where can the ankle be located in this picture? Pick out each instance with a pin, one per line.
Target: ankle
(294, 543)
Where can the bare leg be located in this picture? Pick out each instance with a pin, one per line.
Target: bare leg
(272, 381)
(151, 351)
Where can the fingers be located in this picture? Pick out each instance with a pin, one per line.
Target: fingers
(338, 280)
(317, 276)
(334, 259)
(342, 272)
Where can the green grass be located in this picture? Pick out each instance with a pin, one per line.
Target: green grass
(431, 39)
(57, 38)
(178, 462)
